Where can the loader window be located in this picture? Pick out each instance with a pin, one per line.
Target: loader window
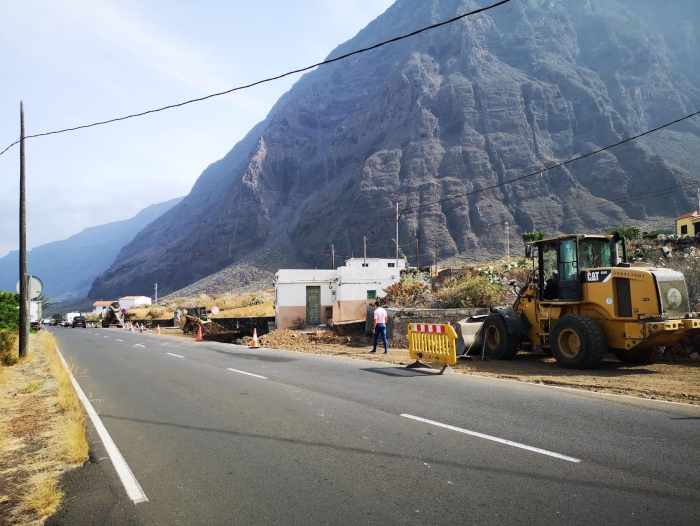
(594, 253)
(549, 279)
(568, 270)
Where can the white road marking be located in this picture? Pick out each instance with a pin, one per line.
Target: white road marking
(131, 485)
(492, 438)
(119, 340)
(106, 336)
(138, 345)
(175, 355)
(249, 374)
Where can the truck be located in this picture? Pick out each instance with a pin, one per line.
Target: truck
(584, 298)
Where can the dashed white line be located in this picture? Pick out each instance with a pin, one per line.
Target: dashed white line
(106, 336)
(249, 374)
(175, 355)
(492, 438)
(131, 485)
(119, 340)
(138, 345)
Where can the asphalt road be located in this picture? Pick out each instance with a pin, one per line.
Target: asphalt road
(327, 440)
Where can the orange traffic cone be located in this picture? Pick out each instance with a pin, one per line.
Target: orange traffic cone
(254, 344)
(199, 334)
(158, 329)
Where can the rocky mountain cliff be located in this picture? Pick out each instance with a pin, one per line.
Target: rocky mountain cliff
(472, 104)
(68, 267)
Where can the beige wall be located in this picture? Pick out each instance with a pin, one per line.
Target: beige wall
(351, 310)
(285, 316)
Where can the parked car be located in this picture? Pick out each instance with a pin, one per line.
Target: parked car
(35, 325)
(53, 322)
(65, 323)
(79, 321)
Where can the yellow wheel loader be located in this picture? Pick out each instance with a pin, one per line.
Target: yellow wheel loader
(583, 299)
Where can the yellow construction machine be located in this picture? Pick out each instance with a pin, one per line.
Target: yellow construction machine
(583, 299)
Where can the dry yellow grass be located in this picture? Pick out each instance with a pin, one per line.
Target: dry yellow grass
(43, 495)
(42, 434)
(266, 309)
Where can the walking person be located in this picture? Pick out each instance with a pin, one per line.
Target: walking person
(380, 317)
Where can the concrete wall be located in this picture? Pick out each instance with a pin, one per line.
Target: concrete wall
(397, 324)
(285, 316)
(353, 310)
(261, 323)
(152, 324)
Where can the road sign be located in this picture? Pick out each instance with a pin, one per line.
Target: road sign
(215, 310)
(35, 287)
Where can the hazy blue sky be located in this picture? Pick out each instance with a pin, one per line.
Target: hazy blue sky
(78, 61)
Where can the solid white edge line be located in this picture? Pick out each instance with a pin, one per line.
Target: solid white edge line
(138, 345)
(119, 340)
(175, 355)
(131, 485)
(249, 374)
(494, 439)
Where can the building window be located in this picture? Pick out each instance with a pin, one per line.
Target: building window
(371, 294)
(684, 230)
(392, 264)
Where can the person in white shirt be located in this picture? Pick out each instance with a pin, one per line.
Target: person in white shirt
(380, 317)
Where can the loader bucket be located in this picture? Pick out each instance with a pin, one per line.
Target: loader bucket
(469, 337)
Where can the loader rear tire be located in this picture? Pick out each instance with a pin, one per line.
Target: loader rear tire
(643, 357)
(577, 342)
(498, 343)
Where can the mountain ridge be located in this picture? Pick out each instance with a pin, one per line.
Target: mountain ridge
(479, 102)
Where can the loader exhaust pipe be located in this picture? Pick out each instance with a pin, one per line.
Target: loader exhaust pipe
(614, 254)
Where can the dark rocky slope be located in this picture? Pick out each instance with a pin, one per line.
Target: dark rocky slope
(458, 109)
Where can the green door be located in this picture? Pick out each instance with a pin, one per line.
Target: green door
(313, 305)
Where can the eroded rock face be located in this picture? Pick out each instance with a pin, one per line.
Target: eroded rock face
(457, 110)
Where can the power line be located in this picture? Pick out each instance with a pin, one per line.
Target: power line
(559, 165)
(642, 196)
(270, 79)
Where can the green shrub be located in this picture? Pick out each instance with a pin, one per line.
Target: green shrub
(470, 291)
(630, 232)
(9, 311)
(8, 344)
(407, 293)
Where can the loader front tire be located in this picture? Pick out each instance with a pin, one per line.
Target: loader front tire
(643, 357)
(577, 342)
(498, 343)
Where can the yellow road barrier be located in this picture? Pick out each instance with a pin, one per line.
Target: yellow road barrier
(432, 343)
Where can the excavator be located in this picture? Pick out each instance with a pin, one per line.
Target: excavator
(584, 298)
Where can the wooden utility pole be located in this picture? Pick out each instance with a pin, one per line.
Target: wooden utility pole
(436, 259)
(333, 256)
(397, 234)
(417, 256)
(156, 293)
(23, 292)
(507, 240)
(365, 243)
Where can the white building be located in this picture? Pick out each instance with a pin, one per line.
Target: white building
(129, 302)
(99, 307)
(332, 296)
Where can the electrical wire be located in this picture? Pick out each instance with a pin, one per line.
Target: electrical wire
(558, 165)
(270, 79)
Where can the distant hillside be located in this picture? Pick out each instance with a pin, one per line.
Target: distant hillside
(69, 267)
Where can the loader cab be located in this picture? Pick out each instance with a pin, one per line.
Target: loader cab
(562, 259)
